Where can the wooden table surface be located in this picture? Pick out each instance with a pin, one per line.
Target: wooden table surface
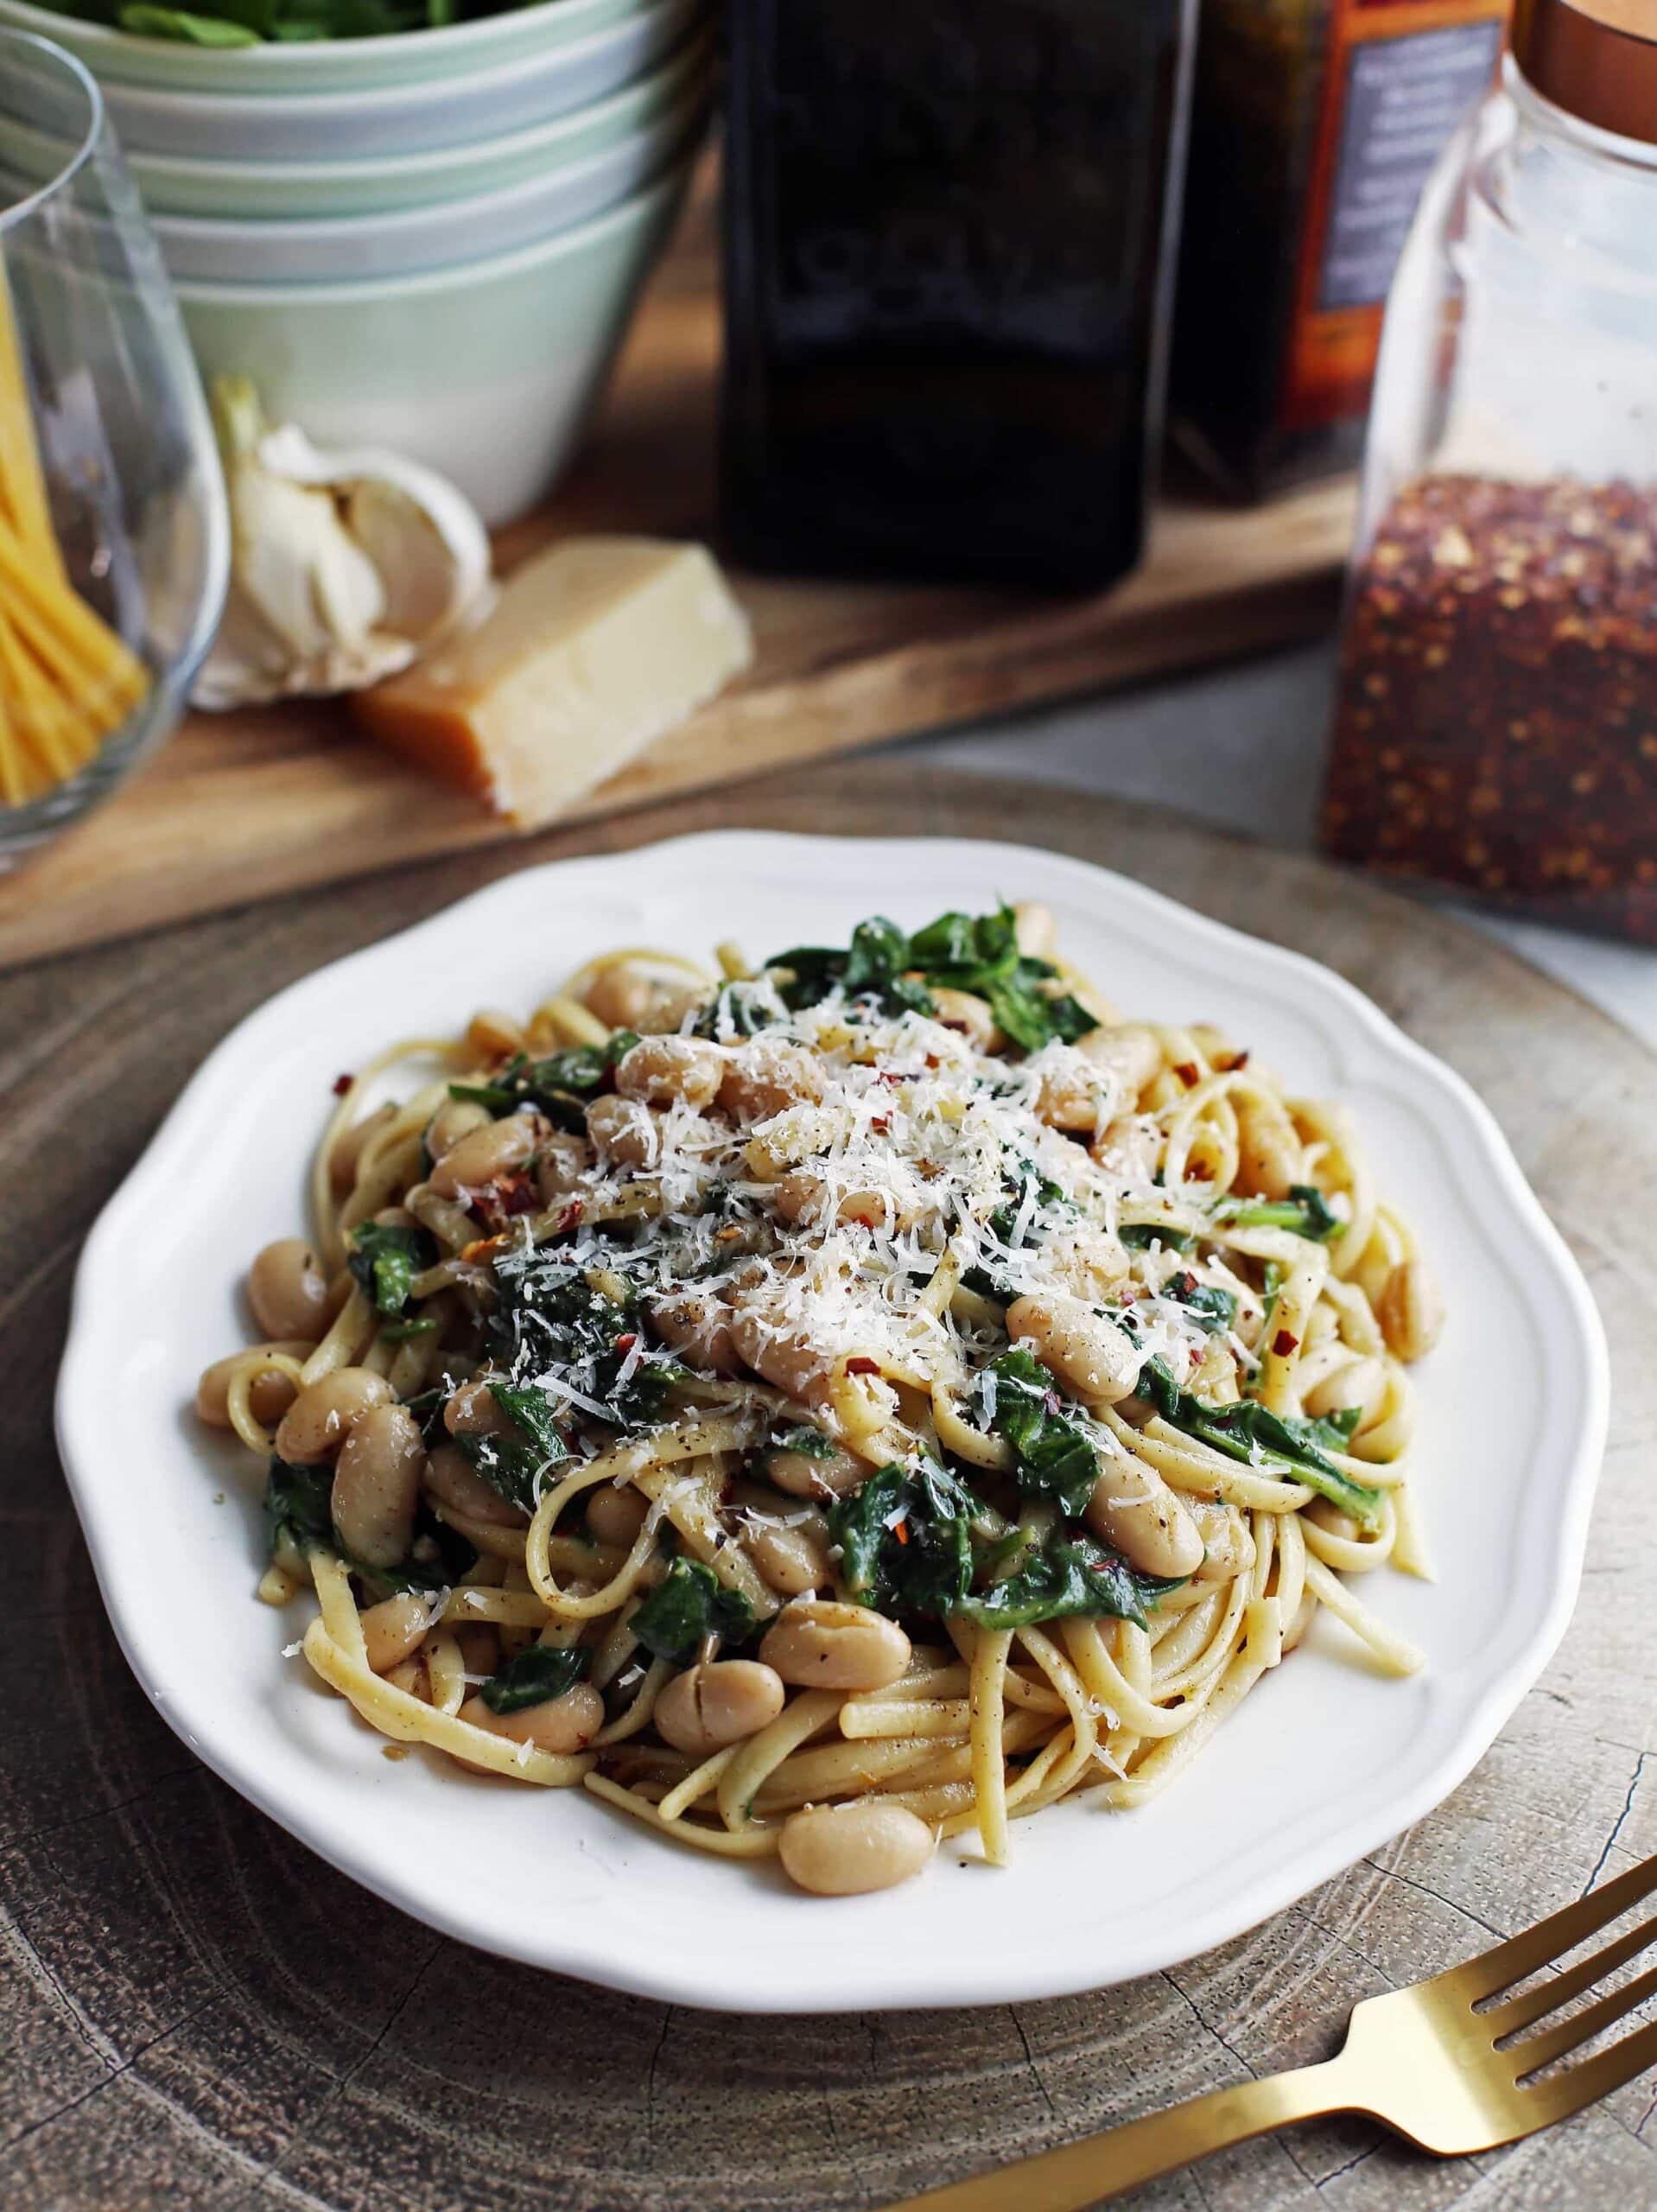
(198, 2016)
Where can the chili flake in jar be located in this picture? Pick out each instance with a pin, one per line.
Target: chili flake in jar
(1496, 725)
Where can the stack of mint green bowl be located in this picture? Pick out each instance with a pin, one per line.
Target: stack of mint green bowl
(432, 241)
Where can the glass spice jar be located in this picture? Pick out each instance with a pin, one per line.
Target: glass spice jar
(1496, 722)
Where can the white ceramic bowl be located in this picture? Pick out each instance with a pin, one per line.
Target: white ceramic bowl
(487, 372)
(466, 107)
(321, 65)
(282, 191)
(334, 249)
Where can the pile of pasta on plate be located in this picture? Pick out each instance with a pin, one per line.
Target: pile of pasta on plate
(830, 1405)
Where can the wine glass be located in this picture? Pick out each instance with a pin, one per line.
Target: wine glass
(114, 537)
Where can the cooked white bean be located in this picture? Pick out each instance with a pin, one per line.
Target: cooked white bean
(348, 1147)
(314, 1427)
(1035, 930)
(662, 1071)
(377, 1485)
(454, 1119)
(767, 1074)
(1129, 1051)
(1132, 1509)
(724, 1702)
(795, 1562)
(1228, 1541)
(558, 1724)
(1359, 1381)
(411, 1675)
(626, 1131)
(1076, 1345)
(792, 1359)
(472, 1411)
(483, 1155)
(821, 1644)
(562, 1161)
(1410, 1311)
(971, 1015)
(493, 1035)
(844, 1851)
(454, 1483)
(394, 1627)
(833, 1473)
(268, 1395)
(670, 1007)
(288, 1290)
(698, 1325)
(810, 1195)
(1268, 1152)
(615, 1514)
(479, 1643)
(620, 996)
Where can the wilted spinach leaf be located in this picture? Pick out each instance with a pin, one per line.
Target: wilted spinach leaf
(514, 1465)
(905, 1539)
(1055, 1456)
(1066, 1575)
(548, 1318)
(385, 1262)
(1284, 1444)
(1305, 1212)
(540, 1671)
(689, 1604)
(558, 1085)
(298, 1512)
(981, 954)
(1139, 1236)
(1210, 1307)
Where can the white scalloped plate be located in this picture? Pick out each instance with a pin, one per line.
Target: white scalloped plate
(1325, 1761)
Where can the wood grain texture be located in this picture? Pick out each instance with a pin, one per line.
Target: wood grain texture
(196, 2013)
(253, 804)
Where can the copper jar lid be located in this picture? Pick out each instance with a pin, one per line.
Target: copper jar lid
(1596, 58)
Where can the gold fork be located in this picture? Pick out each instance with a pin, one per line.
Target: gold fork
(1440, 2063)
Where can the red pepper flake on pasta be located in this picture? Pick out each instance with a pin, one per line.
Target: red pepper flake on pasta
(1283, 1344)
(1188, 1073)
(342, 1084)
(861, 1363)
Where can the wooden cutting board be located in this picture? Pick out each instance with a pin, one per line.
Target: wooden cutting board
(196, 2015)
(244, 805)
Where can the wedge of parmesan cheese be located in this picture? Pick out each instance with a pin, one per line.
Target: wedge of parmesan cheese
(592, 650)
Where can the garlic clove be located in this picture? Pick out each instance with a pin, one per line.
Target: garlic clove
(423, 536)
(300, 568)
(345, 566)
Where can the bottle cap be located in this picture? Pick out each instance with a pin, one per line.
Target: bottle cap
(1596, 58)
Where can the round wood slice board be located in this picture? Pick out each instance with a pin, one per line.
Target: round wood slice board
(195, 2013)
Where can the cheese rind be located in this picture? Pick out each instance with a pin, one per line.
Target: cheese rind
(593, 649)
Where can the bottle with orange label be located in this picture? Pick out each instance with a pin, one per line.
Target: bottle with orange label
(1315, 125)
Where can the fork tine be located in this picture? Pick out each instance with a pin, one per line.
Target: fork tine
(1536, 1946)
(1541, 2050)
(1535, 2004)
(1595, 2077)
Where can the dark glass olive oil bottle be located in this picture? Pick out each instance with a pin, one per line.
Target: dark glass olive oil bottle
(949, 230)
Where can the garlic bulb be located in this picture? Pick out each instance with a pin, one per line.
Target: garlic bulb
(344, 566)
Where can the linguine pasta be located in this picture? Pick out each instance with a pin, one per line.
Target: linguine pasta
(826, 1406)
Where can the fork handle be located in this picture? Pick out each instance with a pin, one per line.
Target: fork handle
(1080, 2174)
